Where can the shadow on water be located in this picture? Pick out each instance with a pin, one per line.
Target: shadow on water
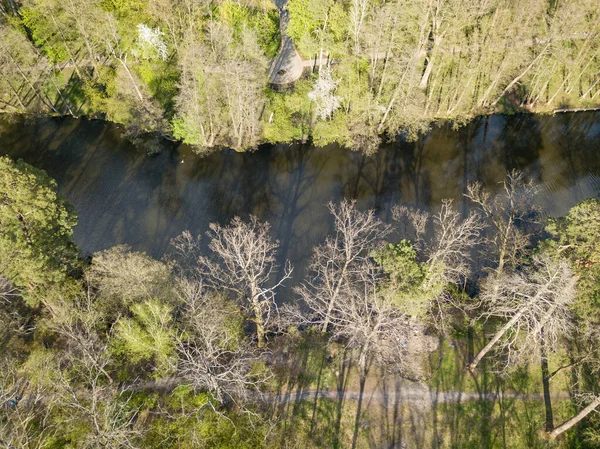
(123, 196)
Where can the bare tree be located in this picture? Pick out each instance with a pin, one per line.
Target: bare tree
(245, 264)
(337, 262)
(7, 291)
(24, 70)
(447, 253)
(213, 354)
(511, 214)
(346, 294)
(593, 401)
(534, 304)
(357, 14)
(83, 388)
(78, 324)
(115, 49)
(588, 343)
(106, 411)
(365, 316)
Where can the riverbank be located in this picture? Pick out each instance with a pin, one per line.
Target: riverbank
(203, 76)
(147, 142)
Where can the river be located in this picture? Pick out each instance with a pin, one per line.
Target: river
(124, 196)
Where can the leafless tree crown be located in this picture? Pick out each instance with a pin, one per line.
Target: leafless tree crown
(245, 264)
(512, 215)
(534, 303)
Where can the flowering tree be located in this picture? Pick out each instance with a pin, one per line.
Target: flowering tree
(150, 43)
(323, 95)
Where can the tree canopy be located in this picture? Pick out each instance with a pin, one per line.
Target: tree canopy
(36, 228)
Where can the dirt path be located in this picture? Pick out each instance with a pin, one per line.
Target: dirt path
(287, 66)
(415, 397)
(406, 392)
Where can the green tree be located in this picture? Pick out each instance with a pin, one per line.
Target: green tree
(122, 277)
(577, 237)
(406, 276)
(148, 335)
(36, 229)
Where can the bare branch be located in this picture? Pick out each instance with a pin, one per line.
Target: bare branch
(512, 214)
(530, 301)
(245, 264)
(337, 263)
(214, 357)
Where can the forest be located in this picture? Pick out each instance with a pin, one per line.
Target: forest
(199, 71)
(438, 329)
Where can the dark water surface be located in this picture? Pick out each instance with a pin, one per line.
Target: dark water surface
(123, 195)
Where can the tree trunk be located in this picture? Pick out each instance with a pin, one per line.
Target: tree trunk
(471, 367)
(71, 55)
(14, 90)
(260, 328)
(24, 228)
(29, 83)
(64, 100)
(518, 78)
(546, 385)
(342, 380)
(334, 297)
(362, 364)
(571, 422)
(137, 90)
(427, 73)
(86, 38)
(14, 7)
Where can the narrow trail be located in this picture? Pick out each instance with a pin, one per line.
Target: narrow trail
(415, 395)
(287, 66)
(407, 392)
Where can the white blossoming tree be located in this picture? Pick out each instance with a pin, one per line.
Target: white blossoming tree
(150, 43)
(323, 95)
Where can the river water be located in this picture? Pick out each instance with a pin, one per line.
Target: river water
(124, 196)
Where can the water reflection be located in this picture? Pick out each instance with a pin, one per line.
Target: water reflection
(124, 196)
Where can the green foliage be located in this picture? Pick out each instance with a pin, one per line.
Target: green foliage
(281, 127)
(400, 262)
(36, 229)
(338, 21)
(148, 335)
(161, 77)
(317, 24)
(406, 275)
(307, 18)
(266, 27)
(42, 369)
(95, 91)
(120, 103)
(187, 130)
(196, 424)
(325, 132)
(291, 114)
(577, 237)
(125, 7)
(43, 34)
(264, 23)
